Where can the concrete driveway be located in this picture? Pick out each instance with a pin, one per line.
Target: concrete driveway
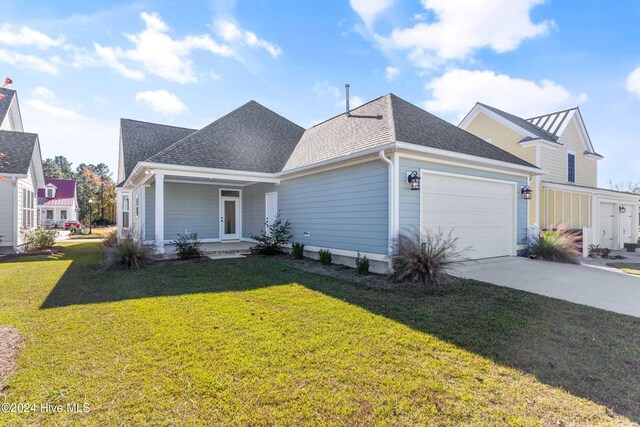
(582, 284)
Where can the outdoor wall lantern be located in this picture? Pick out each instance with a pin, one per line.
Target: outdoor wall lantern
(526, 192)
(414, 180)
(622, 209)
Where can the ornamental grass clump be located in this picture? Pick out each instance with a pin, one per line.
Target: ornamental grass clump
(558, 245)
(424, 258)
(126, 254)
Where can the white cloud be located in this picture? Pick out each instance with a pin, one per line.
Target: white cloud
(162, 101)
(232, 33)
(13, 36)
(155, 52)
(391, 73)
(43, 93)
(370, 9)
(31, 62)
(633, 82)
(323, 88)
(457, 91)
(62, 131)
(461, 27)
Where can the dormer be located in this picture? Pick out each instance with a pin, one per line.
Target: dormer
(50, 191)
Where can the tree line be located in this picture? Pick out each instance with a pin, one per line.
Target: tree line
(93, 182)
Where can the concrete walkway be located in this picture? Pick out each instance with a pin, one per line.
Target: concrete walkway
(582, 284)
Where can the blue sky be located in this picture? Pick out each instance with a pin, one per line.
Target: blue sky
(81, 66)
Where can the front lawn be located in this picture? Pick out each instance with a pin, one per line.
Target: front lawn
(629, 268)
(256, 342)
(96, 233)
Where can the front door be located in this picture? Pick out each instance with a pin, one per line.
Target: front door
(607, 225)
(229, 218)
(271, 209)
(626, 225)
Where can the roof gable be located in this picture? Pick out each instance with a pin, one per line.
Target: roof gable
(250, 138)
(18, 149)
(5, 102)
(141, 140)
(65, 194)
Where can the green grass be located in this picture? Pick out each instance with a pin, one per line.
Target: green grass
(96, 233)
(628, 267)
(255, 342)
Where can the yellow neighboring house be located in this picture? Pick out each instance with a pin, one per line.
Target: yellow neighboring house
(559, 144)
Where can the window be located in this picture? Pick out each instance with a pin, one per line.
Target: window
(28, 210)
(50, 214)
(137, 206)
(63, 214)
(125, 211)
(229, 193)
(571, 168)
(49, 193)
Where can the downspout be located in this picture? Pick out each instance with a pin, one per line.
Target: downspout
(391, 203)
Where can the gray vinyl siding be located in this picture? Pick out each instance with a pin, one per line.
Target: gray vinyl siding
(253, 208)
(410, 200)
(186, 206)
(150, 212)
(7, 216)
(344, 208)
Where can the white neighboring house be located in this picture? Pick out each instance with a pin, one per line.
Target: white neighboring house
(57, 202)
(20, 174)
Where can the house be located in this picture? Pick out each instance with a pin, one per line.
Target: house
(20, 174)
(559, 144)
(57, 202)
(343, 183)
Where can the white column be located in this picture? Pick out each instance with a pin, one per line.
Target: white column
(159, 214)
(142, 217)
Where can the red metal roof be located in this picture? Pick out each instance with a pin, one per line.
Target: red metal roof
(65, 193)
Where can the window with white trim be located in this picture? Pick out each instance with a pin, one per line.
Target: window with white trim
(125, 211)
(50, 214)
(28, 209)
(63, 214)
(571, 168)
(137, 206)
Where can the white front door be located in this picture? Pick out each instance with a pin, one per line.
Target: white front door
(626, 225)
(480, 213)
(271, 209)
(230, 219)
(607, 225)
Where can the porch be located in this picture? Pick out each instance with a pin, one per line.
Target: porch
(225, 211)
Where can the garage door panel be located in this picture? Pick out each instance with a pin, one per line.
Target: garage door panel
(480, 213)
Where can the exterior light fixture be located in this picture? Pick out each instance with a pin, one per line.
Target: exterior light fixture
(414, 180)
(622, 209)
(526, 192)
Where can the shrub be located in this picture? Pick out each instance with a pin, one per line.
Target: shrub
(110, 239)
(595, 250)
(271, 243)
(39, 237)
(559, 245)
(424, 258)
(188, 245)
(127, 254)
(605, 252)
(297, 250)
(362, 265)
(325, 256)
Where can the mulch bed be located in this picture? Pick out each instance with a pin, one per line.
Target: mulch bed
(33, 252)
(10, 343)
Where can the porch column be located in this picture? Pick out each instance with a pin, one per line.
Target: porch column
(159, 214)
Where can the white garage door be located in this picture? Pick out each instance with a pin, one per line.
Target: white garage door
(480, 212)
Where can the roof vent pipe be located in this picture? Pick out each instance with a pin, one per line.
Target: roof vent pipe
(346, 86)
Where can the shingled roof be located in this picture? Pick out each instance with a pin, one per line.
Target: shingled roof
(5, 102)
(384, 120)
(17, 148)
(250, 138)
(141, 140)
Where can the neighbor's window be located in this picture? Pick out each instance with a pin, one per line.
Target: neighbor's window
(28, 210)
(49, 214)
(571, 168)
(63, 214)
(125, 211)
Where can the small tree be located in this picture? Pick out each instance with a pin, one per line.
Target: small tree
(188, 245)
(271, 243)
